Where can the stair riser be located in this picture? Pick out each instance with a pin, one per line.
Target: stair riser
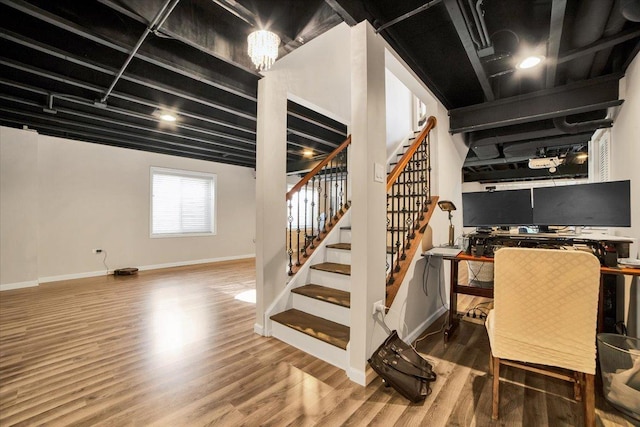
(331, 280)
(326, 310)
(323, 351)
(345, 236)
(339, 256)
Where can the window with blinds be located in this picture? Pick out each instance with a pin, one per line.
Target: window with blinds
(182, 203)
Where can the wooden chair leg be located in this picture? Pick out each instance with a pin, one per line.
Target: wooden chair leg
(490, 364)
(577, 385)
(496, 386)
(589, 394)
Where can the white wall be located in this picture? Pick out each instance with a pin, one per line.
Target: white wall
(96, 196)
(625, 158)
(316, 75)
(399, 111)
(18, 208)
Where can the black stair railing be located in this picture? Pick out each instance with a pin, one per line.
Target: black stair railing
(408, 198)
(315, 204)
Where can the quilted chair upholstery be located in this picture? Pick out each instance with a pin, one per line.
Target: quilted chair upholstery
(545, 313)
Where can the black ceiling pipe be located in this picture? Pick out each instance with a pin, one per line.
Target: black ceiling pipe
(614, 26)
(588, 27)
(631, 10)
(573, 128)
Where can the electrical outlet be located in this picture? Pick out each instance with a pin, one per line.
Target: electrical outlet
(97, 251)
(378, 306)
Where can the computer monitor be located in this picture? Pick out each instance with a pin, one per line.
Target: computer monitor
(603, 204)
(497, 208)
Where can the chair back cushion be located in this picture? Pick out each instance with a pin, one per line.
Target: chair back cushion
(546, 307)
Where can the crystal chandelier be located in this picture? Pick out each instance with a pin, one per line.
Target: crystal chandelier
(263, 48)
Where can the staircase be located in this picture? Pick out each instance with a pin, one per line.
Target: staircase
(317, 318)
(313, 311)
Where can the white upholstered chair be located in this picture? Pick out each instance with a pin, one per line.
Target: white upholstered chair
(545, 313)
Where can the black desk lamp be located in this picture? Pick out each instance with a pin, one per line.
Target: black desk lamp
(448, 206)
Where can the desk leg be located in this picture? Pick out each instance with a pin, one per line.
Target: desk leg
(452, 324)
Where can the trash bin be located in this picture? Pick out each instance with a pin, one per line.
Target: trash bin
(619, 358)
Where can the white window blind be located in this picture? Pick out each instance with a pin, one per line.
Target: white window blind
(182, 202)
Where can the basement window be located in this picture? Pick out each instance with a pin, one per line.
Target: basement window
(182, 203)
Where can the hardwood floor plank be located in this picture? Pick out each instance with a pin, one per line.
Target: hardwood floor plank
(173, 347)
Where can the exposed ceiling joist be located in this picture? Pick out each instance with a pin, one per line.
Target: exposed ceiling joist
(595, 94)
(465, 37)
(556, 26)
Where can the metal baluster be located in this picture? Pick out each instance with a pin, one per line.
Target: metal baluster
(346, 178)
(428, 167)
(320, 223)
(306, 220)
(336, 199)
(313, 204)
(298, 222)
(397, 230)
(330, 170)
(404, 210)
(290, 248)
(326, 199)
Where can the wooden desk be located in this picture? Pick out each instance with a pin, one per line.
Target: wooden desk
(456, 288)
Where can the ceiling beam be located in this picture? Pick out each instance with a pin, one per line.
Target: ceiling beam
(73, 28)
(131, 98)
(525, 174)
(463, 32)
(558, 9)
(50, 50)
(346, 16)
(588, 95)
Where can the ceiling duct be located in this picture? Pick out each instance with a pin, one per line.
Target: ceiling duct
(591, 20)
(573, 128)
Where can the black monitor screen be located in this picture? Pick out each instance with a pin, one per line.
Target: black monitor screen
(604, 204)
(497, 208)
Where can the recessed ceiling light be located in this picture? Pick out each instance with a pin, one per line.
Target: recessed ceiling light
(307, 152)
(167, 117)
(530, 62)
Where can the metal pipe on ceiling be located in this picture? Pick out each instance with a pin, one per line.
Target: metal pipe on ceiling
(159, 19)
(476, 19)
(407, 15)
(483, 25)
(588, 27)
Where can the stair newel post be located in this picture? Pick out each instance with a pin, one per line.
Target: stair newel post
(290, 247)
(389, 224)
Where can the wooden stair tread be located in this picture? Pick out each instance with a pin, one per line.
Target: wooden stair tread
(343, 246)
(325, 330)
(324, 293)
(333, 267)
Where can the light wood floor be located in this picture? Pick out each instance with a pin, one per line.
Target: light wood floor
(173, 347)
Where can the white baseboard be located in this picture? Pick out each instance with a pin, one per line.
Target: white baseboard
(258, 329)
(357, 376)
(18, 285)
(141, 268)
(194, 262)
(424, 325)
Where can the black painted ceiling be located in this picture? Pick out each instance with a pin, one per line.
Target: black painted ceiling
(59, 61)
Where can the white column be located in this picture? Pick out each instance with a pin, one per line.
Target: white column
(271, 187)
(368, 248)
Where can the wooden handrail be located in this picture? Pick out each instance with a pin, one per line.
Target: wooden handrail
(318, 168)
(397, 170)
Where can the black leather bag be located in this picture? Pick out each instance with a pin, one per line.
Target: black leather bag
(402, 368)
